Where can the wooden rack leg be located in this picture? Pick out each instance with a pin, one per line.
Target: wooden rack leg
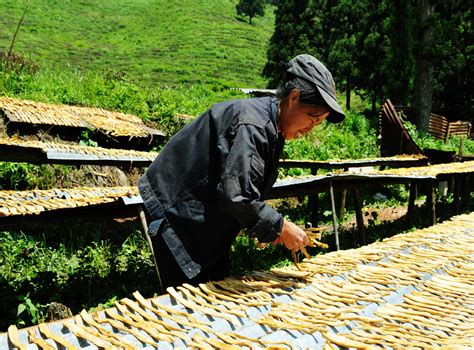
(431, 201)
(456, 194)
(411, 203)
(466, 191)
(142, 216)
(342, 202)
(313, 204)
(359, 217)
(342, 206)
(334, 219)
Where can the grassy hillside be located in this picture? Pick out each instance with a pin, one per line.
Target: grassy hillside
(154, 41)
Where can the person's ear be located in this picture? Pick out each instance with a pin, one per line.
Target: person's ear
(294, 95)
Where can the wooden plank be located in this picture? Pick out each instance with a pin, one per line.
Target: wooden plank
(436, 126)
(438, 119)
(407, 145)
(351, 163)
(435, 123)
(462, 128)
(447, 134)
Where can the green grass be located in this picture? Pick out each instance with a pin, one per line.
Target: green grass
(156, 42)
(154, 59)
(67, 267)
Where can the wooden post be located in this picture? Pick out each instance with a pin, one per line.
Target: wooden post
(456, 194)
(342, 206)
(447, 133)
(334, 219)
(411, 203)
(461, 147)
(313, 204)
(466, 190)
(141, 215)
(359, 217)
(431, 201)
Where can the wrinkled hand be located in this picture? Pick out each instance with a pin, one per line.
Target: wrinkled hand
(292, 236)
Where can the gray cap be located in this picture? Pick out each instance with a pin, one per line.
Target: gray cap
(310, 69)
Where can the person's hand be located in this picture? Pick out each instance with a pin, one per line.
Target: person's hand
(292, 236)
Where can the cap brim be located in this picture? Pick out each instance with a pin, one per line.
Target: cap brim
(336, 115)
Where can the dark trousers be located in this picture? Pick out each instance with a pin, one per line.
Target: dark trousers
(170, 272)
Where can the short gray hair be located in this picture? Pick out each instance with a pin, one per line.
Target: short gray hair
(309, 94)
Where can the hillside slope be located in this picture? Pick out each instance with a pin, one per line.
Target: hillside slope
(154, 41)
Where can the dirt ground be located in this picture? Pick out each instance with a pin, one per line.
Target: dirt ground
(382, 214)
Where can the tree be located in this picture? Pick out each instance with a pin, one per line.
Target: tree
(296, 25)
(342, 23)
(403, 50)
(400, 61)
(372, 47)
(424, 67)
(454, 60)
(251, 8)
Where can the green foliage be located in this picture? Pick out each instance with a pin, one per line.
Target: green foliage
(161, 42)
(27, 312)
(250, 8)
(425, 140)
(121, 56)
(341, 27)
(400, 60)
(24, 176)
(370, 48)
(16, 63)
(354, 138)
(454, 59)
(105, 89)
(245, 256)
(34, 272)
(295, 26)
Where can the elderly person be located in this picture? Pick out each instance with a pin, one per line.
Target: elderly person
(210, 180)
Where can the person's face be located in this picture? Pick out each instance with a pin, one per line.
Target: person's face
(297, 119)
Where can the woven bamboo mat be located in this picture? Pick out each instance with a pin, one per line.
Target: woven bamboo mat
(38, 201)
(54, 150)
(110, 122)
(432, 170)
(401, 157)
(414, 290)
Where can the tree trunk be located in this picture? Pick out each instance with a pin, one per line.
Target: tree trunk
(348, 95)
(374, 105)
(424, 67)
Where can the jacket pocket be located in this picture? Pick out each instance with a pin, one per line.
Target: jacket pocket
(188, 211)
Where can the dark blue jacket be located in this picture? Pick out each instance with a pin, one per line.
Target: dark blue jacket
(210, 179)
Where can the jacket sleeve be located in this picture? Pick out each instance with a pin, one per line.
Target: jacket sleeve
(243, 173)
